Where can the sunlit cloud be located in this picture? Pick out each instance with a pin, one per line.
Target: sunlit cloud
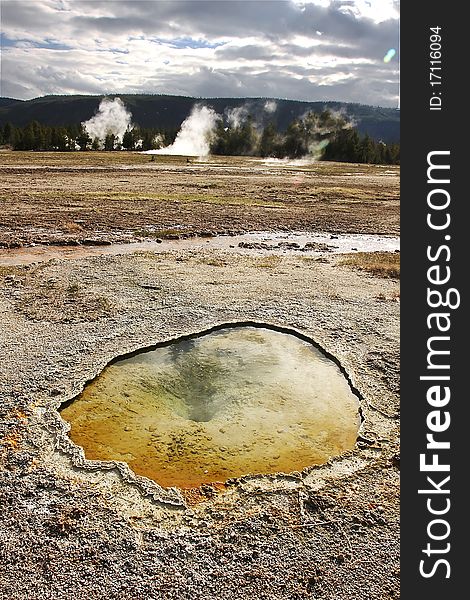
(258, 48)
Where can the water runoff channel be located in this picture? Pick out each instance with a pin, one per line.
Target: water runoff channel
(246, 243)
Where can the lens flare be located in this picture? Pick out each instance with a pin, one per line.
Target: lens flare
(390, 54)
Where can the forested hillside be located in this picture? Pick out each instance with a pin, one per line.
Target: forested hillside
(163, 112)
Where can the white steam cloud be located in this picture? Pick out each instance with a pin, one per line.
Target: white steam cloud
(195, 136)
(158, 140)
(236, 116)
(270, 106)
(349, 122)
(288, 162)
(112, 118)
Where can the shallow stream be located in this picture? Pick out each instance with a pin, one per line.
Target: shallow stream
(284, 243)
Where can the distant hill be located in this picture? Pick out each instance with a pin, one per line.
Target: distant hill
(8, 102)
(168, 112)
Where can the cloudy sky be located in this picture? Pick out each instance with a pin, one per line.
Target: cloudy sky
(297, 49)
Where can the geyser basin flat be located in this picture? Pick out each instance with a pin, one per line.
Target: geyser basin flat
(234, 401)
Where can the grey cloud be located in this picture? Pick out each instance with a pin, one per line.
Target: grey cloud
(273, 83)
(274, 24)
(270, 19)
(28, 16)
(250, 52)
(12, 89)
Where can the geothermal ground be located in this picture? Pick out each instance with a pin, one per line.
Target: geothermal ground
(73, 528)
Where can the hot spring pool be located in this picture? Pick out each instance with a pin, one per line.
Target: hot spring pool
(231, 402)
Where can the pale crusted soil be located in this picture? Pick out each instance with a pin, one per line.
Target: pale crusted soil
(73, 529)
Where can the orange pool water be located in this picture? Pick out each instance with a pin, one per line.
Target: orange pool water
(232, 402)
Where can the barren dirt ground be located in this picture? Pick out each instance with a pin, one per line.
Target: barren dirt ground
(47, 198)
(72, 528)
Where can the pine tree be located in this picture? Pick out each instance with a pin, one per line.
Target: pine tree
(268, 145)
(8, 133)
(294, 142)
(367, 152)
(128, 140)
(109, 142)
(83, 139)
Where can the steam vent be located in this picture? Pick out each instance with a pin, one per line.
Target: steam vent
(227, 403)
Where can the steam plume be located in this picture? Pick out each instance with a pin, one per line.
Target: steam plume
(195, 135)
(236, 116)
(270, 106)
(112, 118)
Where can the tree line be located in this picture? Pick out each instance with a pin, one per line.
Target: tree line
(36, 136)
(324, 135)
